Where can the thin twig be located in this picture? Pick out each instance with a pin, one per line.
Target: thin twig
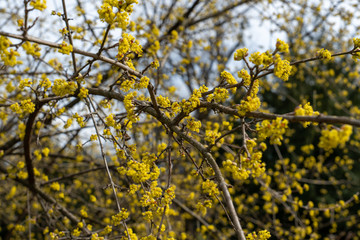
(66, 20)
(89, 102)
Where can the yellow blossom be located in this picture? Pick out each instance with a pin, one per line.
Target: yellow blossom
(32, 49)
(332, 138)
(65, 48)
(323, 54)
(38, 4)
(282, 68)
(240, 54)
(281, 46)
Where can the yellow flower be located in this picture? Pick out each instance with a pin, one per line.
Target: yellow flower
(26, 106)
(249, 105)
(62, 87)
(282, 68)
(55, 186)
(8, 57)
(211, 136)
(210, 188)
(65, 48)
(356, 42)
(245, 76)
(240, 54)
(83, 93)
(274, 129)
(323, 54)
(38, 4)
(281, 46)
(155, 64)
(305, 110)
(122, 215)
(143, 83)
(332, 138)
(219, 95)
(256, 58)
(261, 235)
(31, 49)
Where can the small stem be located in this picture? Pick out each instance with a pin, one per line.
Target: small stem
(69, 34)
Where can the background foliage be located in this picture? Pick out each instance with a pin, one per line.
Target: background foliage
(142, 119)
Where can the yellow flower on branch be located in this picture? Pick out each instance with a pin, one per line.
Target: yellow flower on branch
(281, 46)
(65, 48)
(282, 68)
(240, 54)
(38, 4)
(323, 54)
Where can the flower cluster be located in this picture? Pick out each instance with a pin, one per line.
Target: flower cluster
(245, 77)
(240, 54)
(219, 95)
(169, 195)
(274, 129)
(210, 188)
(324, 54)
(332, 138)
(32, 49)
(305, 110)
(249, 105)
(129, 234)
(128, 102)
(175, 108)
(62, 87)
(356, 42)
(261, 235)
(21, 130)
(107, 230)
(54, 62)
(202, 206)
(122, 215)
(229, 79)
(79, 120)
(211, 135)
(128, 43)
(83, 93)
(55, 186)
(194, 100)
(174, 36)
(193, 125)
(106, 13)
(26, 106)
(127, 85)
(152, 50)
(253, 161)
(143, 83)
(20, 22)
(282, 68)
(121, 16)
(63, 32)
(8, 57)
(109, 120)
(65, 48)
(26, 82)
(141, 171)
(281, 46)
(38, 4)
(45, 83)
(258, 58)
(236, 172)
(163, 101)
(151, 198)
(155, 64)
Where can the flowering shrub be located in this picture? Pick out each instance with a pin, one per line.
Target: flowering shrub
(125, 119)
